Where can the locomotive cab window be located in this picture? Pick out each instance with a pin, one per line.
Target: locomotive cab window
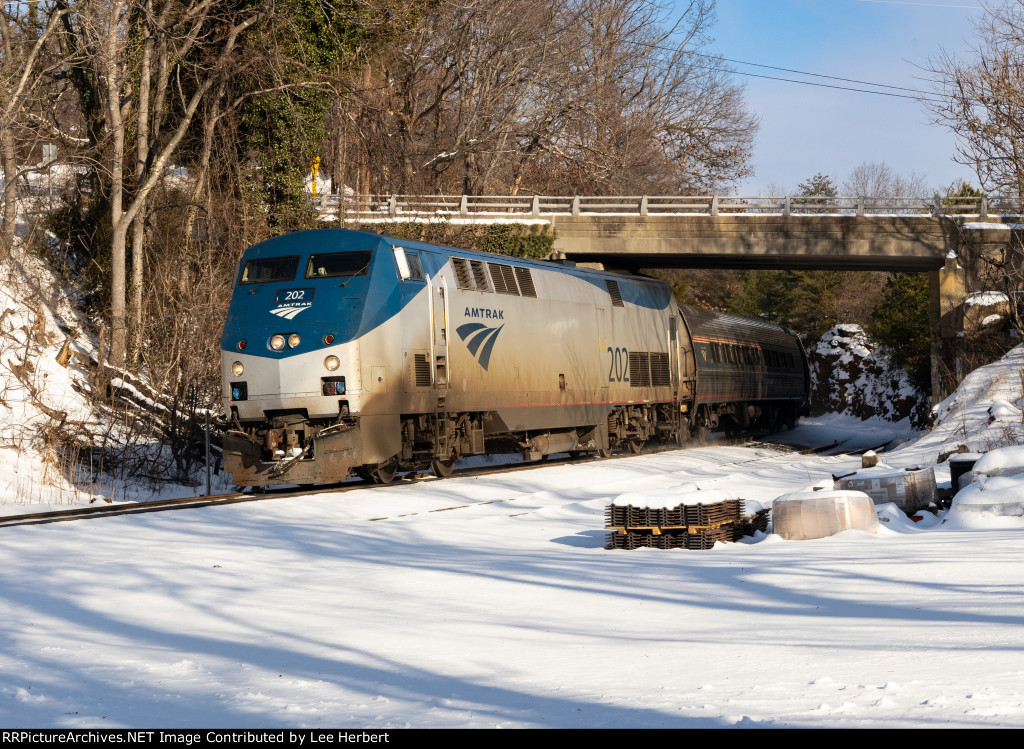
(338, 265)
(409, 267)
(266, 270)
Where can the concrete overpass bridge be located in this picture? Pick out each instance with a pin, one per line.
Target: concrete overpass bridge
(919, 234)
(858, 233)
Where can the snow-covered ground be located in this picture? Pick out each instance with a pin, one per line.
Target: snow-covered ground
(491, 601)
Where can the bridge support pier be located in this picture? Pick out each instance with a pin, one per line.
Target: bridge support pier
(947, 291)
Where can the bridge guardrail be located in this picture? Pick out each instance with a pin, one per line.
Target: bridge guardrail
(526, 206)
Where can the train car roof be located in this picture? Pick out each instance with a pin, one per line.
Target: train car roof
(341, 239)
(713, 324)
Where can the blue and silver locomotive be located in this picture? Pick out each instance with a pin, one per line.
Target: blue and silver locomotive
(348, 353)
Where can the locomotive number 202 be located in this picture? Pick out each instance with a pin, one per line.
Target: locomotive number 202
(618, 367)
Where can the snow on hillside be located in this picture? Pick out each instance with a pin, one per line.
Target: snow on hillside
(42, 405)
(50, 430)
(985, 411)
(852, 375)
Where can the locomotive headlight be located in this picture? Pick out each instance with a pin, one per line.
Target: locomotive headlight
(237, 369)
(331, 363)
(277, 342)
(294, 340)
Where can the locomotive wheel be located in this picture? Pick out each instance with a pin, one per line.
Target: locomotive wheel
(442, 468)
(682, 434)
(382, 473)
(635, 446)
(605, 452)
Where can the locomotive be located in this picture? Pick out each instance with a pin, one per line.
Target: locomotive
(349, 353)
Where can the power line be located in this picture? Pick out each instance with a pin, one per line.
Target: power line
(815, 75)
(832, 85)
(920, 95)
(925, 5)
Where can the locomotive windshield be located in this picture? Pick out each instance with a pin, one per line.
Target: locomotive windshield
(338, 265)
(270, 269)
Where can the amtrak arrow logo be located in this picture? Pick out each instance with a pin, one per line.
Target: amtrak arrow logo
(479, 337)
(288, 312)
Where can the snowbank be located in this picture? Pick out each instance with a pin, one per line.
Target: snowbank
(851, 375)
(42, 408)
(984, 413)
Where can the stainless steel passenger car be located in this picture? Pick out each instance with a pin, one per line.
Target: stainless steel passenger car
(346, 352)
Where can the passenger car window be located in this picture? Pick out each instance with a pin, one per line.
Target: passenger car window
(339, 265)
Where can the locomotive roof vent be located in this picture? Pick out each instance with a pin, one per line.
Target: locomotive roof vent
(613, 292)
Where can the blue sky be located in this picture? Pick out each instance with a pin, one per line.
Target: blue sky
(807, 129)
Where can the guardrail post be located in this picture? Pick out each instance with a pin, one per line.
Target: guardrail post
(576, 205)
(860, 206)
(463, 206)
(207, 453)
(393, 206)
(714, 205)
(535, 207)
(643, 206)
(787, 207)
(984, 206)
(936, 205)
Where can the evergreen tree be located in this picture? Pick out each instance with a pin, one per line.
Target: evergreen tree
(961, 189)
(900, 322)
(820, 185)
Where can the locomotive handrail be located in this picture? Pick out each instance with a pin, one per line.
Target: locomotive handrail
(468, 206)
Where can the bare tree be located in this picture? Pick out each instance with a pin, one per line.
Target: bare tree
(982, 100)
(132, 87)
(878, 179)
(549, 96)
(659, 114)
(25, 32)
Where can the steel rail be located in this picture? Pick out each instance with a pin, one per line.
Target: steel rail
(184, 503)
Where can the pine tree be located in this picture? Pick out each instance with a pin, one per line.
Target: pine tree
(820, 185)
(900, 322)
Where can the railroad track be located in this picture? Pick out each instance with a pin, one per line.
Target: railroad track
(185, 503)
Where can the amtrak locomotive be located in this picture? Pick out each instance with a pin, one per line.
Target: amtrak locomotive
(348, 353)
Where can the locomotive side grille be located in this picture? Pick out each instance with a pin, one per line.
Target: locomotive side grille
(504, 279)
(462, 274)
(661, 376)
(613, 292)
(480, 274)
(639, 369)
(525, 278)
(422, 369)
(510, 279)
(497, 278)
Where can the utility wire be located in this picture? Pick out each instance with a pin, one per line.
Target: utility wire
(920, 95)
(924, 5)
(832, 85)
(815, 75)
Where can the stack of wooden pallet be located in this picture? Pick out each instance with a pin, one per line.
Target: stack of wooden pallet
(685, 526)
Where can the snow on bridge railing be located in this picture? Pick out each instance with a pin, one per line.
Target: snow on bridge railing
(483, 207)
